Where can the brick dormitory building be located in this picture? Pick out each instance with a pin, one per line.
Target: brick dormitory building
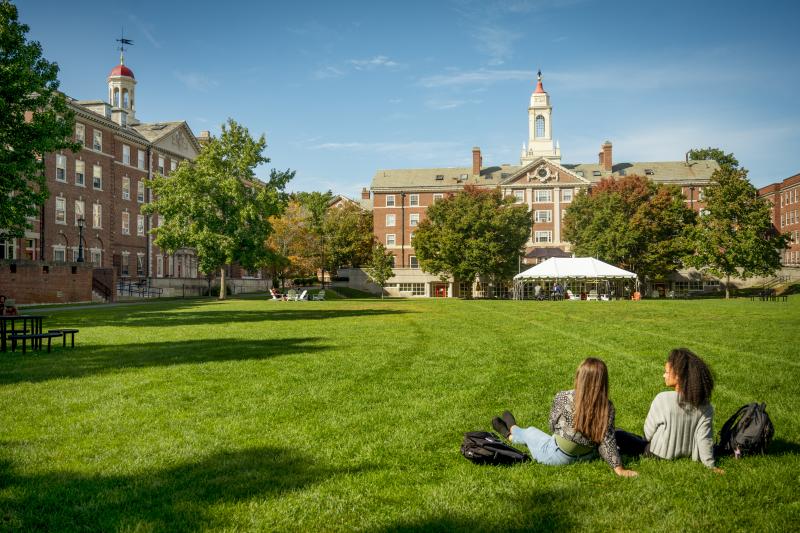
(785, 199)
(400, 197)
(104, 184)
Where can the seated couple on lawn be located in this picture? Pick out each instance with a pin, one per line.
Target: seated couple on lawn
(679, 423)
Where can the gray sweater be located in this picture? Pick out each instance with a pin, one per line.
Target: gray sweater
(677, 431)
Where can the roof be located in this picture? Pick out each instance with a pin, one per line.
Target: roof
(156, 130)
(364, 204)
(547, 252)
(121, 70)
(574, 267)
(456, 177)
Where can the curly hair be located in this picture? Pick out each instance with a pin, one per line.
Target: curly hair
(591, 399)
(694, 377)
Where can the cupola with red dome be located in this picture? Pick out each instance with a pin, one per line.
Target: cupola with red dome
(121, 89)
(121, 70)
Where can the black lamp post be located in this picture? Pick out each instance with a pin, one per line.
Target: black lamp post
(81, 222)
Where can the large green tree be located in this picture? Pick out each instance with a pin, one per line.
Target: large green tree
(734, 234)
(348, 236)
(632, 223)
(474, 233)
(379, 267)
(715, 154)
(217, 206)
(316, 204)
(294, 245)
(28, 85)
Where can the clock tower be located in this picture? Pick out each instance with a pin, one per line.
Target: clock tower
(540, 128)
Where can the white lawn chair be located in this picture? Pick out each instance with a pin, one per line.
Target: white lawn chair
(592, 296)
(291, 294)
(320, 296)
(303, 296)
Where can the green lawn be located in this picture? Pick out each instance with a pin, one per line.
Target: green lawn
(259, 415)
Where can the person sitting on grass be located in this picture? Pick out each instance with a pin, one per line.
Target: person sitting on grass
(581, 420)
(681, 421)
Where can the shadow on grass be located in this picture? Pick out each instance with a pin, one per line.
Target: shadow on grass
(538, 511)
(182, 498)
(783, 447)
(69, 363)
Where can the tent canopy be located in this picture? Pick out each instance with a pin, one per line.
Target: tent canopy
(574, 267)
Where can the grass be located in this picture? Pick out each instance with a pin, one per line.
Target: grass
(257, 415)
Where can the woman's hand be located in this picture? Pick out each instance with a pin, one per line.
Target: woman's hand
(625, 473)
(718, 471)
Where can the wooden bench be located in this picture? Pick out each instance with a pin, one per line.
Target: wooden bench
(33, 338)
(64, 333)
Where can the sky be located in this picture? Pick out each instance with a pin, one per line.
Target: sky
(342, 89)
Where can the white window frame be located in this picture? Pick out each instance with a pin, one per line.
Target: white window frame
(96, 257)
(61, 210)
(80, 133)
(140, 225)
(391, 239)
(161, 165)
(390, 201)
(61, 168)
(9, 247)
(519, 196)
(391, 220)
(97, 215)
(543, 196)
(80, 210)
(140, 160)
(80, 170)
(173, 164)
(126, 223)
(126, 188)
(411, 260)
(413, 200)
(567, 195)
(437, 196)
(543, 236)
(62, 250)
(97, 177)
(140, 191)
(126, 154)
(413, 220)
(97, 140)
(543, 215)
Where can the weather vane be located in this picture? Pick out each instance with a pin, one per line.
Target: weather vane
(122, 42)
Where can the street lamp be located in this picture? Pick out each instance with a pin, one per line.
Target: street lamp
(81, 222)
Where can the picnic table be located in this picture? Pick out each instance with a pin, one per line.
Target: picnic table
(8, 326)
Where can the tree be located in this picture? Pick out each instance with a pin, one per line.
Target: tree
(28, 85)
(715, 154)
(474, 233)
(379, 268)
(633, 223)
(348, 236)
(317, 205)
(293, 243)
(217, 206)
(735, 235)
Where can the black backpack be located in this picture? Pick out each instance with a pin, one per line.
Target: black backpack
(485, 448)
(747, 432)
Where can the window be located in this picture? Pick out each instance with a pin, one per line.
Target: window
(519, 196)
(61, 167)
(595, 172)
(140, 265)
(126, 223)
(544, 215)
(61, 210)
(394, 261)
(544, 236)
(59, 254)
(414, 220)
(416, 289)
(544, 195)
(126, 154)
(80, 173)
(8, 249)
(539, 126)
(437, 196)
(125, 264)
(413, 200)
(412, 262)
(579, 173)
(140, 191)
(140, 225)
(439, 177)
(161, 165)
(159, 266)
(96, 257)
(566, 195)
(172, 165)
(97, 177)
(411, 236)
(463, 177)
(80, 133)
(97, 216)
(79, 210)
(390, 220)
(98, 140)
(126, 188)
(649, 172)
(390, 200)
(701, 194)
(390, 239)
(141, 158)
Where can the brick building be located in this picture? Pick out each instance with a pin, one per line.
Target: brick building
(785, 199)
(400, 197)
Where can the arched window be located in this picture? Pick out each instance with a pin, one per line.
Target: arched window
(125, 98)
(116, 97)
(539, 126)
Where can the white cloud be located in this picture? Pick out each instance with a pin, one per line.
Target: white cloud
(327, 72)
(475, 77)
(373, 63)
(449, 104)
(146, 29)
(496, 42)
(196, 81)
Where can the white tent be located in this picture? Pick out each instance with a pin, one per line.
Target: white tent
(579, 273)
(574, 267)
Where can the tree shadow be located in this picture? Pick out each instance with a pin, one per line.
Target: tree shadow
(539, 510)
(84, 361)
(783, 447)
(181, 498)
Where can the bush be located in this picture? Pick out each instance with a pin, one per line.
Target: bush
(340, 278)
(299, 282)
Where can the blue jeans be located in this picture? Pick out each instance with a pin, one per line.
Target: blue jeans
(543, 447)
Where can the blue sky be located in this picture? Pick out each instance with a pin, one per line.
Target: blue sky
(342, 89)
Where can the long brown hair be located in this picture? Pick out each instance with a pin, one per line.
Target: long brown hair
(591, 399)
(695, 381)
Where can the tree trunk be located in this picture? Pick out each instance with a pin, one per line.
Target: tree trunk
(222, 283)
(381, 292)
(727, 286)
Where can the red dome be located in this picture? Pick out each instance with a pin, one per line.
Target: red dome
(121, 70)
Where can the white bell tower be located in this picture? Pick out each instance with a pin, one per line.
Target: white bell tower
(122, 90)
(540, 128)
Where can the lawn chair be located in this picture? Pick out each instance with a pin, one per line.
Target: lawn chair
(303, 296)
(320, 296)
(291, 294)
(275, 294)
(592, 296)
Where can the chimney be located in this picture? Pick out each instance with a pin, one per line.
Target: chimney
(605, 158)
(365, 193)
(477, 161)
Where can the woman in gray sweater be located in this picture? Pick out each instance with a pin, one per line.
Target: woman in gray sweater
(681, 421)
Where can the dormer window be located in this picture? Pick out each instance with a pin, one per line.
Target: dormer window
(595, 172)
(649, 172)
(439, 177)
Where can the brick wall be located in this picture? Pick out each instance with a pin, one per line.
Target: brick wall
(30, 282)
